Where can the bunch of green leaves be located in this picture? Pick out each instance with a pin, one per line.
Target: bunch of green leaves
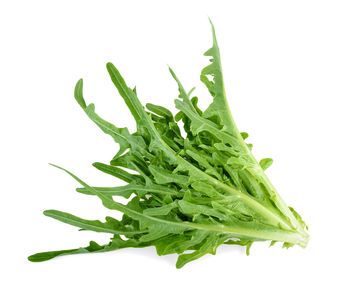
(194, 189)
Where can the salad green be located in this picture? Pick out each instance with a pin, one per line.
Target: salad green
(195, 188)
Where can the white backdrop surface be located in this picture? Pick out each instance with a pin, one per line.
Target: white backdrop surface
(287, 74)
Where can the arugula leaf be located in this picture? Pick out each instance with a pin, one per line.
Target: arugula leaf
(191, 192)
(110, 226)
(115, 244)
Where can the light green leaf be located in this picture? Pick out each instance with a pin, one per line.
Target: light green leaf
(110, 226)
(265, 163)
(163, 176)
(196, 187)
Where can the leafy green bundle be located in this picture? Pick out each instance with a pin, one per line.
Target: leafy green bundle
(190, 194)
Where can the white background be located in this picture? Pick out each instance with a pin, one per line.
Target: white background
(287, 71)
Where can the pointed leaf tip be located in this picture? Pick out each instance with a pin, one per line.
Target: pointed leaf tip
(172, 72)
(210, 21)
(212, 30)
(53, 165)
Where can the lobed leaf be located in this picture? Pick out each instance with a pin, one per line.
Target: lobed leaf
(193, 189)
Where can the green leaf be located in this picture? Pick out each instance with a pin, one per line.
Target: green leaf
(195, 209)
(127, 190)
(120, 135)
(194, 181)
(115, 244)
(162, 210)
(163, 176)
(117, 172)
(265, 163)
(298, 217)
(161, 111)
(110, 226)
(124, 191)
(208, 247)
(219, 107)
(45, 256)
(183, 95)
(128, 95)
(244, 135)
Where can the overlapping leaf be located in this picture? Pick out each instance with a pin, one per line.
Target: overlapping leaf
(191, 192)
